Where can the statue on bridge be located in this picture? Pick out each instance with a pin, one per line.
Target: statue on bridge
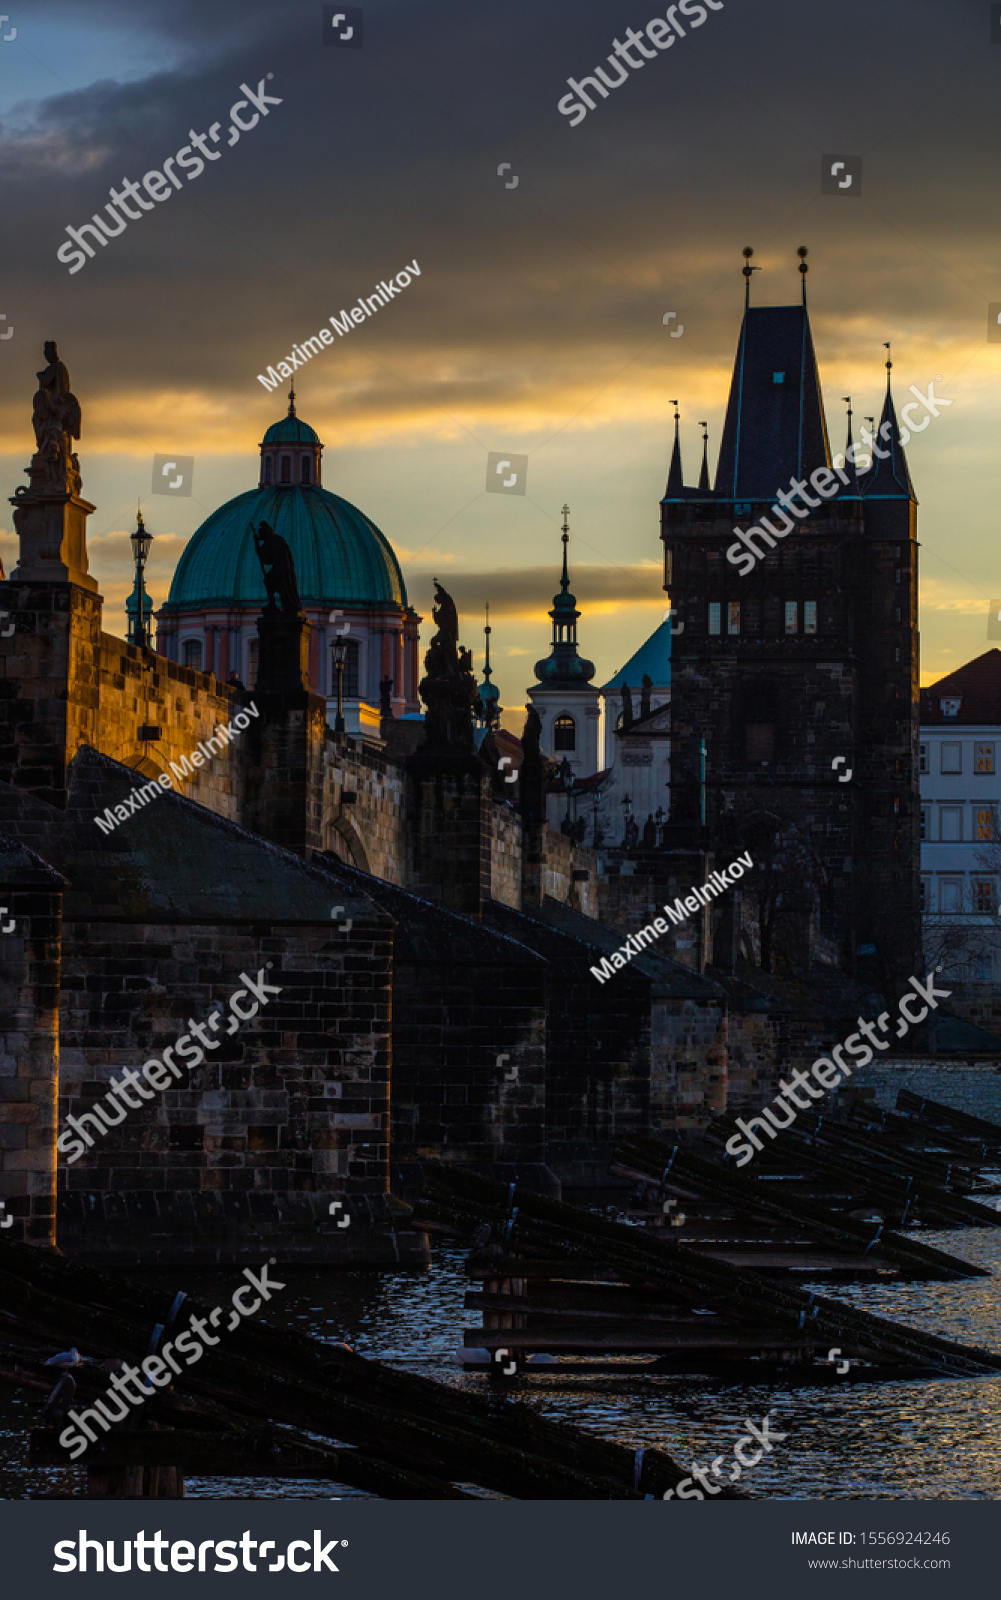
(277, 569)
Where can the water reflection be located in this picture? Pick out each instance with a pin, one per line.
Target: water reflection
(920, 1440)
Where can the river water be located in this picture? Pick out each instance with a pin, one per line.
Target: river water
(903, 1440)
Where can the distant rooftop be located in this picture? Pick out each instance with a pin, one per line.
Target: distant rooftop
(652, 658)
(977, 689)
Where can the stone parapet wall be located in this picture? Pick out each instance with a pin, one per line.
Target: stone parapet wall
(137, 688)
(364, 804)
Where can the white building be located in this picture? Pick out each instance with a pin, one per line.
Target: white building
(637, 733)
(959, 749)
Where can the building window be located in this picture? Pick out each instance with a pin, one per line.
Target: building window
(896, 613)
(983, 758)
(950, 895)
(985, 824)
(668, 566)
(267, 469)
(193, 654)
(922, 758)
(286, 469)
(952, 758)
(984, 967)
(951, 824)
(714, 616)
(759, 742)
(792, 616)
(809, 616)
(950, 708)
(733, 617)
(350, 679)
(926, 822)
(304, 470)
(778, 377)
(983, 896)
(564, 733)
(897, 575)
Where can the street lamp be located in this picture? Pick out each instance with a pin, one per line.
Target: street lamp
(140, 542)
(340, 651)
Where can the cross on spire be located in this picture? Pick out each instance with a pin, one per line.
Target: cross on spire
(565, 580)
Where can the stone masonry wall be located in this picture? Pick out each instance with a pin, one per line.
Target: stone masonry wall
(293, 1103)
(30, 926)
(137, 687)
(364, 807)
(505, 856)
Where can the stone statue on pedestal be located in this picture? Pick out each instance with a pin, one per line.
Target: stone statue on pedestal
(50, 516)
(448, 688)
(277, 569)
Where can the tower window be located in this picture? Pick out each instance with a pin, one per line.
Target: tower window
(193, 654)
(668, 566)
(778, 377)
(714, 616)
(350, 682)
(564, 733)
(286, 469)
(809, 616)
(792, 616)
(268, 468)
(733, 616)
(304, 470)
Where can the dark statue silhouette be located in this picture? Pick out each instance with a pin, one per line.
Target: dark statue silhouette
(277, 569)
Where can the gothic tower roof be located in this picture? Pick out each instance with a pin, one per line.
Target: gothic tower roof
(775, 428)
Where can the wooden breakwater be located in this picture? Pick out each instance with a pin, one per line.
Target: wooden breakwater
(562, 1280)
(271, 1396)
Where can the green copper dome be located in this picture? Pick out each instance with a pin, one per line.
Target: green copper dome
(291, 430)
(340, 556)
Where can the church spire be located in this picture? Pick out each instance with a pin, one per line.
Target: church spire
(889, 477)
(802, 252)
(704, 474)
(291, 400)
(489, 692)
(563, 664)
(675, 478)
(849, 466)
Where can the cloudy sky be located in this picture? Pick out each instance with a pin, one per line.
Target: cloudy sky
(536, 325)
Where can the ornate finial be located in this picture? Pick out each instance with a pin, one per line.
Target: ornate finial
(677, 418)
(889, 363)
(565, 580)
(748, 269)
(291, 401)
(804, 269)
(487, 630)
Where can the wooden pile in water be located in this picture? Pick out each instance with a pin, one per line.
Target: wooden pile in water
(273, 1401)
(900, 1169)
(712, 1207)
(562, 1280)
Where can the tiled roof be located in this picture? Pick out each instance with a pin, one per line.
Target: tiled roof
(653, 658)
(977, 686)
